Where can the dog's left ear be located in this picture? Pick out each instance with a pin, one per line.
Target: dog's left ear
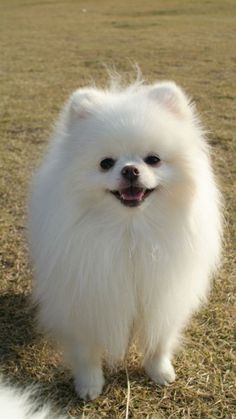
(173, 98)
(83, 102)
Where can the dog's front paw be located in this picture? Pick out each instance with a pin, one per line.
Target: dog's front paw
(89, 383)
(160, 370)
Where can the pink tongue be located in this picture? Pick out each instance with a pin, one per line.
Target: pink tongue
(135, 196)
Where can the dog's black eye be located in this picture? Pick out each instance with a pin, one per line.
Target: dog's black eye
(107, 163)
(152, 160)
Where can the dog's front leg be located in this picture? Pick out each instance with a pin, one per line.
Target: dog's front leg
(86, 363)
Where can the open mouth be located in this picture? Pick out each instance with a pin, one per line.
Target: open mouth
(132, 196)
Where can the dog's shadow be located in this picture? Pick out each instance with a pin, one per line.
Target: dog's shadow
(22, 353)
(16, 325)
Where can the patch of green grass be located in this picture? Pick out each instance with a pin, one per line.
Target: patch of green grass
(50, 48)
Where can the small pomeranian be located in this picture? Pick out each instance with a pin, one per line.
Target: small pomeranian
(125, 228)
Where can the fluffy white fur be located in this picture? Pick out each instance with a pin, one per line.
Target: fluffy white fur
(107, 273)
(17, 404)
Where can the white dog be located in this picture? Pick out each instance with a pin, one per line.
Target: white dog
(125, 228)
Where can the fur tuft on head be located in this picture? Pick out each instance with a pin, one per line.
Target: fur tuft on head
(118, 83)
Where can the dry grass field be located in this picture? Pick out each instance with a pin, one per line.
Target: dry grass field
(47, 49)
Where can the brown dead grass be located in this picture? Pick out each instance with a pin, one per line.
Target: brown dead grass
(48, 48)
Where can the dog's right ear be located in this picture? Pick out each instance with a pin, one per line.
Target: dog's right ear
(82, 102)
(172, 98)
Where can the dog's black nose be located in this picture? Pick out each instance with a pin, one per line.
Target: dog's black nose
(130, 173)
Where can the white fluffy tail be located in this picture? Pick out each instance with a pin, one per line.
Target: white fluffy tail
(18, 404)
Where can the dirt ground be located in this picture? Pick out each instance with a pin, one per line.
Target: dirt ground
(47, 49)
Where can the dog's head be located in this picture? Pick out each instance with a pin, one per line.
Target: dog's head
(134, 147)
